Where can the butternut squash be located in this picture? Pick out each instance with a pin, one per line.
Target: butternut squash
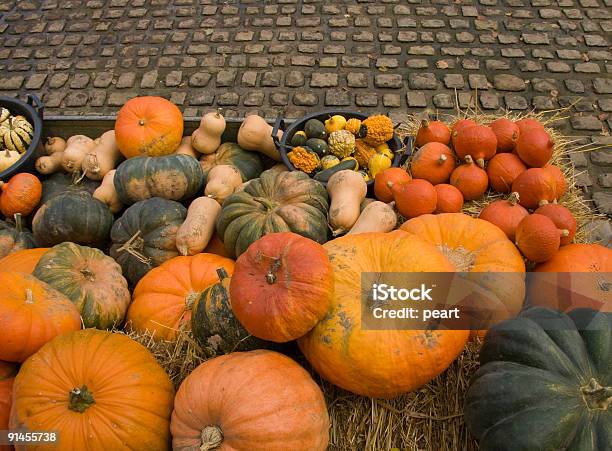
(207, 137)
(49, 164)
(107, 194)
(194, 234)
(222, 181)
(77, 147)
(103, 157)
(54, 144)
(256, 134)
(375, 217)
(185, 148)
(347, 189)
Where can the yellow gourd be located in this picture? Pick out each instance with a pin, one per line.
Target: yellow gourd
(377, 216)
(207, 137)
(346, 189)
(335, 123)
(107, 194)
(194, 234)
(103, 157)
(353, 125)
(378, 163)
(222, 181)
(256, 134)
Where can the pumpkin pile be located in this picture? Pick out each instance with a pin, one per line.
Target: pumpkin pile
(16, 134)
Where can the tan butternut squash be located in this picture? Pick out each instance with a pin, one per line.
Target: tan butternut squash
(106, 192)
(375, 217)
(194, 234)
(77, 148)
(222, 181)
(54, 144)
(256, 134)
(103, 157)
(207, 137)
(347, 189)
(185, 148)
(50, 163)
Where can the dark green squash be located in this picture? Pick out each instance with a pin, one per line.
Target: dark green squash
(145, 236)
(72, 216)
(14, 237)
(545, 383)
(60, 182)
(172, 177)
(275, 202)
(248, 163)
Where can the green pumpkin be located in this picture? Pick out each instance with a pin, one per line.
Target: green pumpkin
(314, 128)
(145, 236)
(248, 163)
(275, 202)
(545, 383)
(90, 279)
(172, 177)
(14, 237)
(318, 146)
(60, 182)
(299, 139)
(73, 216)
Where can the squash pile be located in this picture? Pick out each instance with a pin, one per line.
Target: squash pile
(16, 134)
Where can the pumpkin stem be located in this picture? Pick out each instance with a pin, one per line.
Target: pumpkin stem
(134, 247)
(442, 159)
(542, 202)
(80, 399)
(211, 437)
(18, 222)
(92, 159)
(221, 273)
(141, 122)
(514, 198)
(271, 276)
(425, 123)
(88, 274)
(480, 162)
(265, 202)
(468, 159)
(219, 112)
(29, 296)
(564, 232)
(595, 396)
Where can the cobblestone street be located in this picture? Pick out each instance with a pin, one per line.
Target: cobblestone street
(289, 57)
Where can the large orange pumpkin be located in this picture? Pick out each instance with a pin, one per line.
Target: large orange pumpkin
(378, 363)
(22, 261)
(100, 391)
(8, 371)
(21, 194)
(148, 125)
(256, 401)
(31, 314)
(163, 298)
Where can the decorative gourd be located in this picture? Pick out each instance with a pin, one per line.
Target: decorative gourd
(560, 183)
(505, 214)
(346, 190)
(348, 163)
(503, 169)
(8, 158)
(384, 181)
(21, 194)
(185, 148)
(341, 143)
(335, 123)
(536, 187)
(537, 237)
(378, 163)
(471, 180)
(299, 138)
(548, 375)
(77, 147)
(256, 134)
(145, 236)
(506, 132)
(562, 218)
(31, 314)
(16, 134)
(8, 371)
(461, 123)
(415, 198)
(448, 199)
(90, 279)
(294, 415)
(281, 287)
(248, 163)
(329, 161)
(275, 202)
(304, 160)
(535, 148)
(61, 182)
(22, 261)
(105, 391)
(54, 144)
(527, 124)
(378, 363)
(103, 157)
(47, 164)
(477, 141)
(376, 130)
(172, 177)
(314, 128)
(375, 217)
(432, 131)
(433, 162)
(148, 125)
(72, 216)
(207, 137)
(107, 194)
(222, 181)
(163, 299)
(353, 125)
(363, 153)
(14, 237)
(193, 235)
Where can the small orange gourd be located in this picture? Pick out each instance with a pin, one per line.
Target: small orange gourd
(449, 199)
(527, 124)
(477, 141)
(535, 187)
(461, 123)
(415, 198)
(560, 183)
(471, 180)
(535, 147)
(20, 194)
(386, 179)
(503, 169)
(538, 238)
(506, 132)
(432, 131)
(433, 162)
(505, 214)
(562, 218)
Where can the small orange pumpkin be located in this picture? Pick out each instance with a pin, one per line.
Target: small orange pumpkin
(471, 180)
(503, 169)
(505, 214)
(386, 179)
(535, 147)
(477, 141)
(506, 132)
(216, 246)
(560, 182)
(22, 261)
(21, 194)
(433, 162)
(461, 123)
(527, 124)
(449, 199)
(537, 237)
(432, 131)
(563, 219)
(415, 198)
(535, 187)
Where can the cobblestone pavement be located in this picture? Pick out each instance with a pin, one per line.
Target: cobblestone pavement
(289, 57)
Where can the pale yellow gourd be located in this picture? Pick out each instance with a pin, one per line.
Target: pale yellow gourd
(347, 189)
(49, 164)
(107, 194)
(194, 234)
(222, 181)
(77, 147)
(207, 137)
(8, 158)
(103, 157)
(54, 144)
(375, 217)
(256, 134)
(185, 148)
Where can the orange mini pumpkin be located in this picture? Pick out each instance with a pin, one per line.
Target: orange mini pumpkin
(535, 147)
(22, 261)
(563, 219)
(477, 141)
(21, 194)
(433, 162)
(506, 132)
(560, 182)
(461, 123)
(384, 181)
(432, 131)
(415, 198)
(538, 238)
(449, 199)
(527, 124)
(535, 187)
(503, 169)
(505, 214)
(471, 180)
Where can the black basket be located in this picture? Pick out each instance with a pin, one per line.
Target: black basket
(33, 112)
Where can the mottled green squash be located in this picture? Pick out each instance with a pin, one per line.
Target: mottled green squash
(172, 177)
(60, 182)
(275, 202)
(90, 279)
(14, 237)
(248, 163)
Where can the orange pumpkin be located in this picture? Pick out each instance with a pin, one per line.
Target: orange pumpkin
(506, 132)
(386, 179)
(163, 298)
(216, 246)
(432, 131)
(477, 141)
(100, 391)
(281, 286)
(449, 199)
(537, 237)
(8, 371)
(471, 180)
(378, 363)
(536, 187)
(433, 162)
(21, 194)
(563, 219)
(415, 198)
(148, 125)
(31, 314)
(526, 124)
(560, 182)
(22, 261)
(503, 169)
(505, 214)
(535, 147)
(461, 123)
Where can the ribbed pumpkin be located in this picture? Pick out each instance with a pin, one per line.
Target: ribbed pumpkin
(448, 199)
(282, 286)
(22, 261)
(60, 182)
(100, 391)
(547, 375)
(505, 214)
(248, 163)
(145, 236)
(537, 237)
(148, 125)
(275, 202)
(31, 314)
(21, 194)
(8, 371)
(378, 363)
(432, 131)
(535, 147)
(503, 169)
(275, 406)
(415, 198)
(535, 187)
(163, 299)
(471, 180)
(386, 179)
(433, 162)
(562, 218)
(477, 141)
(560, 182)
(527, 124)
(506, 132)
(90, 279)
(14, 237)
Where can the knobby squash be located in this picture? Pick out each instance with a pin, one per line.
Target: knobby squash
(77, 147)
